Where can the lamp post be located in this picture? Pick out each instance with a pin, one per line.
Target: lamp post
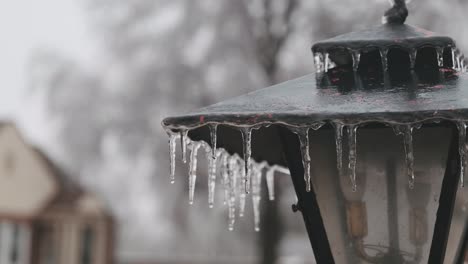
(375, 143)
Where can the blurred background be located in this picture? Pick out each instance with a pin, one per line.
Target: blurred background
(86, 84)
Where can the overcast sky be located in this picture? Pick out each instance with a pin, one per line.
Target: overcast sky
(26, 26)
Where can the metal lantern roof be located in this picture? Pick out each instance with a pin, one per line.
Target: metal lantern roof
(301, 103)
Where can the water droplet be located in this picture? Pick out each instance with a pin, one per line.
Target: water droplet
(462, 149)
(270, 179)
(384, 58)
(172, 152)
(183, 144)
(352, 160)
(356, 54)
(339, 146)
(413, 54)
(440, 56)
(247, 140)
(195, 146)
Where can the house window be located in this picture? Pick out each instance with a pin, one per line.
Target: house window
(14, 250)
(87, 244)
(45, 244)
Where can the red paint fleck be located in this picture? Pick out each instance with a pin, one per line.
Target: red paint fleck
(438, 86)
(446, 70)
(202, 119)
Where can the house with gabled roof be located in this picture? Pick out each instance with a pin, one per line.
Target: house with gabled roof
(45, 217)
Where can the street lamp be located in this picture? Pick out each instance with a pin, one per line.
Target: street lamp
(375, 143)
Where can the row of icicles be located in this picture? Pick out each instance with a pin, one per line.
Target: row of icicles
(323, 63)
(238, 177)
(241, 176)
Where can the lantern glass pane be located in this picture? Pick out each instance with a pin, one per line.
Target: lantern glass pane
(384, 221)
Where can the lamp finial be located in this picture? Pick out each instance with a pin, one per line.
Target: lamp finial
(397, 14)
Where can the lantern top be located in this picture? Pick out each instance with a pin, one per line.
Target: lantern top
(385, 36)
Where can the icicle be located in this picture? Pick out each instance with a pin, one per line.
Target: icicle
(303, 134)
(256, 196)
(407, 132)
(339, 146)
(458, 63)
(172, 153)
(214, 139)
(352, 141)
(225, 174)
(247, 140)
(242, 194)
(232, 167)
(183, 144)
(384, 58)
(211, 176)
(440, 56)
(356, 59)
(327, 61)
(270, 179)
(462, 149)
(193, 170)
(319, 64)
(454, 66)
(413, 54)
(242, 198)
(212, 159)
